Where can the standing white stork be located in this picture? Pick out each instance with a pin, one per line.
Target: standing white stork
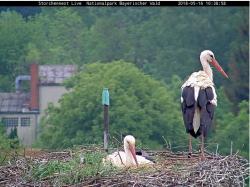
(198, 99)
(128, 158)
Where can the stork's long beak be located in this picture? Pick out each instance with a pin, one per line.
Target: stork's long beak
(219, 68)
(132, 150)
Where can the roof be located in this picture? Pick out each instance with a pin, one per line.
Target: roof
(48, 74)
(55, 74)
(14, 102)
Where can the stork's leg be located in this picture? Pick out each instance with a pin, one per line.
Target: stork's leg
(202, 147)
(190, 147)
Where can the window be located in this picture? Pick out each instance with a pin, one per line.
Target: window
(10, 122)
(25, 121)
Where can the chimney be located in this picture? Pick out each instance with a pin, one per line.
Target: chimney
(34, 101)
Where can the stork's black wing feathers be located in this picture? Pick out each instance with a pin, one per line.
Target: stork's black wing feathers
(206, 109)
(202, 98)
(209, 93)
(210, 107)
(188, 108)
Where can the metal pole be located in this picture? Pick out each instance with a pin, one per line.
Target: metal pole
(105, 102)
(106, 126)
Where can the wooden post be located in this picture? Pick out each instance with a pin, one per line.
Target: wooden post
(105, 102)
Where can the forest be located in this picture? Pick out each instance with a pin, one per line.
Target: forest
(143, 55)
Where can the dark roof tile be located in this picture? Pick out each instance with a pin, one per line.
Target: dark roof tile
(13, 102)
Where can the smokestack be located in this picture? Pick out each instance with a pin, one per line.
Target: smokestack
(34, 101)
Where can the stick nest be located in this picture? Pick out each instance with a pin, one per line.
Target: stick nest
(170, 169)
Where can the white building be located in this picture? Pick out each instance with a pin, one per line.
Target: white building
(23, 111)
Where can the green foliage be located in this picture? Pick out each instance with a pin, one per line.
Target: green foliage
(4, 144)
(140, 106)
(13, 133)
(14, 142)
(14, 35)
(224, 107)
(5, 83)
(229, 126)
(238, 87)
(7, 146)
(156, 39)
(107, 38)
(71, 172)
(60, 36)
(235, 128)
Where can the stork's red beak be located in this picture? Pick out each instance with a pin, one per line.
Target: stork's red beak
(132, 150)
(219, 68)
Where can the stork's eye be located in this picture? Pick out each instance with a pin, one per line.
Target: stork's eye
(212, 56)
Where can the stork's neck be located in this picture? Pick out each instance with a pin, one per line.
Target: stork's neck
(207, 68)
(129, 156)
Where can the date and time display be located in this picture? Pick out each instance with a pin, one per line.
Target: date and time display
(202, 3)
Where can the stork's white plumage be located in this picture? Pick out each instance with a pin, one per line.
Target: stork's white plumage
(128, 158)
(200, 80)
(199, 98)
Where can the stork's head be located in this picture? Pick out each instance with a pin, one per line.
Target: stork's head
(129, 144)
(208, 56)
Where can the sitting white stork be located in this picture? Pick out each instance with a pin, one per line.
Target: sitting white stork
(198, 99)
(128, 158)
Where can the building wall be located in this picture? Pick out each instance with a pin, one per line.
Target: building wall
(26, 134)
(46, 87)
(49, 94)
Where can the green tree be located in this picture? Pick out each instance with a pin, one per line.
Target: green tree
(13, 139)
(140, 106)
(106, 40)
(234, 128)
(56, 37)
(238, 86)
(7, 146)
(14, 35)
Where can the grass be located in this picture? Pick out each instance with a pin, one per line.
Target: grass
(9, 149)
(70, 172)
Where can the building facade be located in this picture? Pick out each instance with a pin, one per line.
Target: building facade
(24, 111)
